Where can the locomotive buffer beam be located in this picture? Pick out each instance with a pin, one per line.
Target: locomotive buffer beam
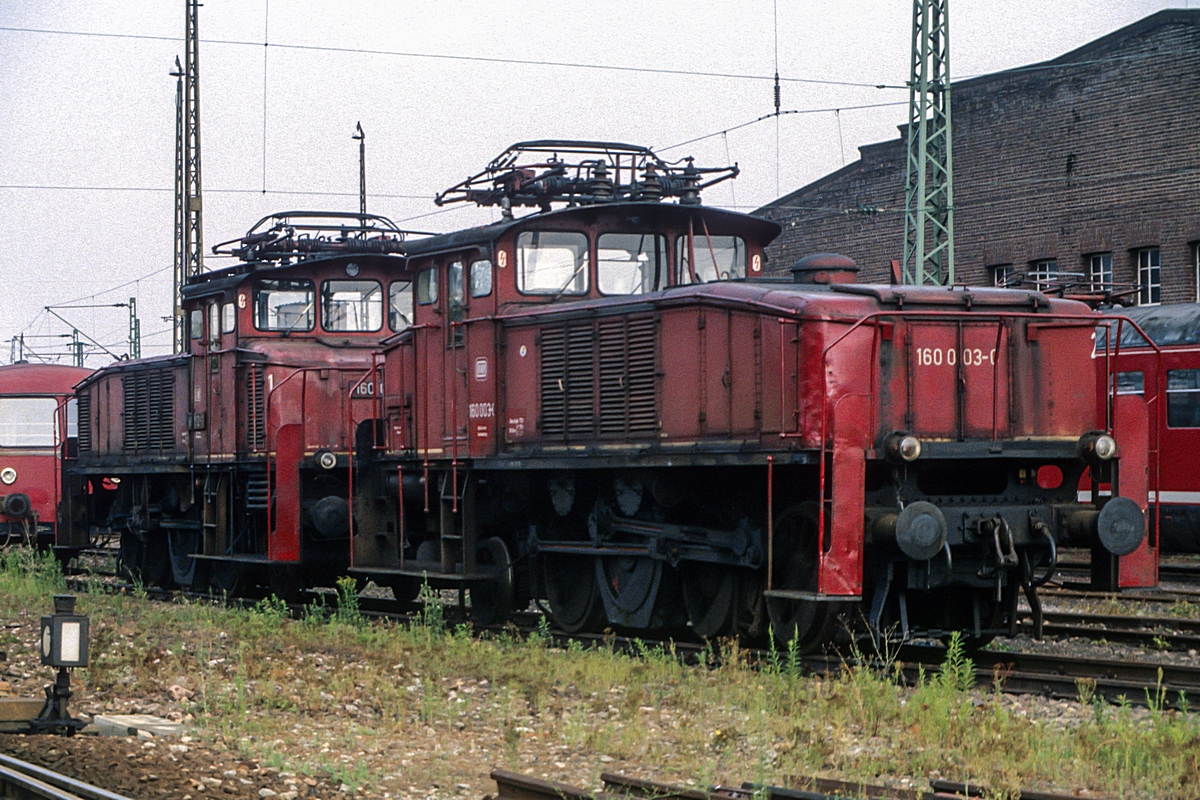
(662, 541)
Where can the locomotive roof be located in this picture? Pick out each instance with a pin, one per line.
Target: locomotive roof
(40, 378)
(840, 302)
(1173, 324)
(636, 213)
(217, 280)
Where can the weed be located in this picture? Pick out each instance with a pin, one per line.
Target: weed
(347, 611)
(958, 671)
(1161, 643)
(432, 617)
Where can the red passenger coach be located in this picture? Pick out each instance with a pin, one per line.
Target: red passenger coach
(228, 462)
(37, 425)
(608, 407)
(1157, 358)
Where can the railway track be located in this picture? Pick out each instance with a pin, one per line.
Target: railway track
(1059, 676)
(514, 786)
(20, 780)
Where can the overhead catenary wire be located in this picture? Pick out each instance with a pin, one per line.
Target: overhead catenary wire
(464, 58)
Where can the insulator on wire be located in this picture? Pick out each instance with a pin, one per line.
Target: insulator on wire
(777, 94)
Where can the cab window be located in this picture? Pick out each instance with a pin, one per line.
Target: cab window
(214, 325)
(481, 278)
(196, 324)
(631, 263)
(353, 306)
(427, 286)
(400, 305)
(552, 262)
(27, 421)
(284, 305)
(228, 318)
(718, 258)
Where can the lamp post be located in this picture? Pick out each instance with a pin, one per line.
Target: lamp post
(64, 644)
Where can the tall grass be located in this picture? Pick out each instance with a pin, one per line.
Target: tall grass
(260, 676)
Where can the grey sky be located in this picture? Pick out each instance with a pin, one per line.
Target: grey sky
(98, 111)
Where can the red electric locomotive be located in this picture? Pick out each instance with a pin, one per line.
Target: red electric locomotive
(37, 420)
(610, 407)
(227, 462)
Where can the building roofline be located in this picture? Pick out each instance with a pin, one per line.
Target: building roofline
(1170, 16)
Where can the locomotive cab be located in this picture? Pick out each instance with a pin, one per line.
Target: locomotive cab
(232, 456)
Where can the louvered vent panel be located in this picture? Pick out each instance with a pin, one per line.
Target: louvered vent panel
(554, 381)
(581, 381)
(256, 408)
(149, 410)
(613, 381)
(642, 376)
(84, 424)
(628, 397)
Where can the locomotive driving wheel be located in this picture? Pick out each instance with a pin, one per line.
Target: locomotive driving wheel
(802, 624)
(723, 601)
(492, 602)
(570, 583)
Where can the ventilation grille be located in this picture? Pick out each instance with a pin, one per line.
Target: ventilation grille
(599, 379)
(149, 410)
(83, 429)
(255, 409)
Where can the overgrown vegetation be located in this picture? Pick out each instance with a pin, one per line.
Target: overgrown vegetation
(368, 700)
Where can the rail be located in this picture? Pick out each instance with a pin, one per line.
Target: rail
(21, 780)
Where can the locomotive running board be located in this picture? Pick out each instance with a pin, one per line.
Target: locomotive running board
(433, 574)
(810, 597)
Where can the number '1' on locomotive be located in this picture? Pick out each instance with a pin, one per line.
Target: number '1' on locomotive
(609, 406)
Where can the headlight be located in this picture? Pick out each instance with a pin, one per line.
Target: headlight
(1097, 445)
(326, 460)
(8, 475)
(1105, 447)
(901, 446)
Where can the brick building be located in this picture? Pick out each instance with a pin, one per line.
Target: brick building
(1085, 167)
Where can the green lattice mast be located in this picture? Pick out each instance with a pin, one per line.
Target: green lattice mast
(929, 187)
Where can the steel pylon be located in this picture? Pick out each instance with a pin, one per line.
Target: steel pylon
(929, 187)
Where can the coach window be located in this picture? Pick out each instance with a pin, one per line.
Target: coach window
(228, 318)
(481, 278)
(631, 263)
(284, 305)
(27, 421)
(1131, 383)
(552, 263)
(718, 258)
(427, 286)
(351, 306)
(1183, 398)
(400, 305)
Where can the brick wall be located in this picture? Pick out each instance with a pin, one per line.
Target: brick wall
(1096, 151)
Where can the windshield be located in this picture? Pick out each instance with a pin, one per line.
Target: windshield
(27, 421)
(354, 306)
(552, 262)
(631, 263)
(284, 305)
(718, 258)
